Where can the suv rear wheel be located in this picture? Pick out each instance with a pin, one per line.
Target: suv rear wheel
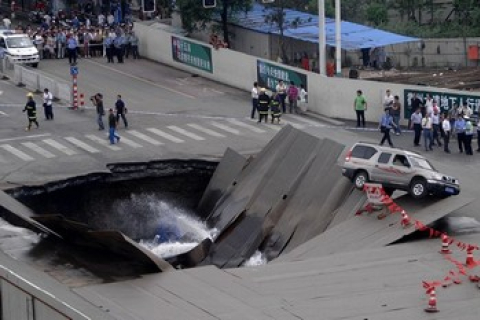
(418, 188)
(361, 177)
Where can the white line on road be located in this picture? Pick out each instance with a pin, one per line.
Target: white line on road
(165, 135)
(39, 150)
(225, 128)
(22, 155)
(245, 125)
(82, 145)
(144, 137)
(3, 114)
(205, 130)
(129, 142)
(273, 126)
(60, 147)
(26, 137)
(293, 124)
(186, 133)
(103, 142)
(304, 120)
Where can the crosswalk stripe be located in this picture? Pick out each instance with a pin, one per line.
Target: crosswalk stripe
(225, 128)
(103, 142)
(144, 137)
(272, 126)
(293, 124)
(39, 150)
(305, 120)
(82, 145)
(186, 133)
(54, 144)
(245, 125)
(165, 135)
(206, 130)
(22, 155)
(129, 142)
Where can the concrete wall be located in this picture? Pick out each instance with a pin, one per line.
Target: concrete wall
(332, 97)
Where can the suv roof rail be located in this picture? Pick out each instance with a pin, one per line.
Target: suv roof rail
(376, 145)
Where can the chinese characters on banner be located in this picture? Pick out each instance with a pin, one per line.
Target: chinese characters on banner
(445, 100)
(268, 76)
(192, 54)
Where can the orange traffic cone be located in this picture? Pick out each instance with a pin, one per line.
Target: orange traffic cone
(405, 222)
(470, 262)
(432, 301)
(445, 244)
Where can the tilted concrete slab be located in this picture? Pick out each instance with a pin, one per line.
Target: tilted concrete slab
(366, 231)
(354, 202)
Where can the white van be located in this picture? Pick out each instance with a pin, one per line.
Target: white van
(18, 48)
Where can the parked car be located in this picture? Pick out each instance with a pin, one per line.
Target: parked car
(396, 169)
(18, 48)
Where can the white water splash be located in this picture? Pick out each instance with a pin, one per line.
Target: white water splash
(9, 230)
(459, 225)
(257, 259)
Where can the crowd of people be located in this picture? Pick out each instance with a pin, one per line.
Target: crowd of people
(56, 39)
(275, 102)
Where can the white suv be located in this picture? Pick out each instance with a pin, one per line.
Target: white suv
(18, 48)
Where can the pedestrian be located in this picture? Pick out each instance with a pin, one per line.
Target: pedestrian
(427, 125)
(360, 106)
(416, 125)
(133, 40)
(395, 112)
(427, 106)
(436, 126)
(386, 124)
(118, 44)
(468, 136)
(121, 111)
(112, 125)
(109, 50)
(292, 97)
(460, 131)
(275, 111)
(263, 105)
(415, 104)
(97, 101)
(447, 130)
(388, 99)
(47, 104)
(281, 89)
(254, 93)
(31, 109)
(72, 49)
(303, 99)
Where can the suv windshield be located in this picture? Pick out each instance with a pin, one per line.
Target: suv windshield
(20, 42)
(421, 163)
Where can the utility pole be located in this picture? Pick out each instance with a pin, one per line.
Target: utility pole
(322, 38)
(338, 38)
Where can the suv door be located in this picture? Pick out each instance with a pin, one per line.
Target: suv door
(402, 169)
(380, 170)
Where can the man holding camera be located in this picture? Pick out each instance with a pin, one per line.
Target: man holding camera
(97, 101)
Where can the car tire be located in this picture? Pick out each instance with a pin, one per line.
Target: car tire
(361, 177)
(418, 188)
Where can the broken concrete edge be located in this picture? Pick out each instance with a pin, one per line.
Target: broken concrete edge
(323, 118)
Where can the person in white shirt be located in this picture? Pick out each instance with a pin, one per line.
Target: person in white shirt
(101, 20)
(428, 105)
(254, 99)
(281, 89)
(436, 127)
(7, 22)
(47, 104)
(447, 130)
(388, 100)
(427, 124)
(302, 104)
(110, 19)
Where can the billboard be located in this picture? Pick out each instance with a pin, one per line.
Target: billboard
(192, 54)
(269, 74)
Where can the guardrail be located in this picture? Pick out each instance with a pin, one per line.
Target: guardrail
(35, 81)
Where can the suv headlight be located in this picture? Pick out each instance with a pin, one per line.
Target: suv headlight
(437, 176)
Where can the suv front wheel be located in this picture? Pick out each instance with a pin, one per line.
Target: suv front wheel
(418, 188)
(361, 177)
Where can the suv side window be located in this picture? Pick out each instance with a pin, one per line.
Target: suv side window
(384, 157)
(363, 152)
(401, 160)
(2, 43)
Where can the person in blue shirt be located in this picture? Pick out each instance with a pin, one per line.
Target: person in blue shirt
(109, 48)
(459, 126)
(72, 49)
(386, 124)
(119, 44)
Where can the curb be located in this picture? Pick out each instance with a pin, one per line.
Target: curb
(323, 118)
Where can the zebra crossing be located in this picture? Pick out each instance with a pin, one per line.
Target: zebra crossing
(49, 147)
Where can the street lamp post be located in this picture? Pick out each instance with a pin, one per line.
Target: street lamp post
(322, 39)
(338, 38)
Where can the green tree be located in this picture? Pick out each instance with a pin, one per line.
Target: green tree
(377, 13)
(196, 17)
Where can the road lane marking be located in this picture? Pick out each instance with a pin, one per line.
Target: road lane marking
(165, 135)
(39, 150)
(144, 137)
(186, 133)
(60, 147)
(225, 128)
(205, 130)
(293, 124)
(82, 145)
(103, 142)
(3, 114)
(141, 79)
(20, 154)
(304, 120)
(26, 137)
(245, 125)
(129, 142)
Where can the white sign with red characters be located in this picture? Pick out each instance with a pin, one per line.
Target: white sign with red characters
(375, 193)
